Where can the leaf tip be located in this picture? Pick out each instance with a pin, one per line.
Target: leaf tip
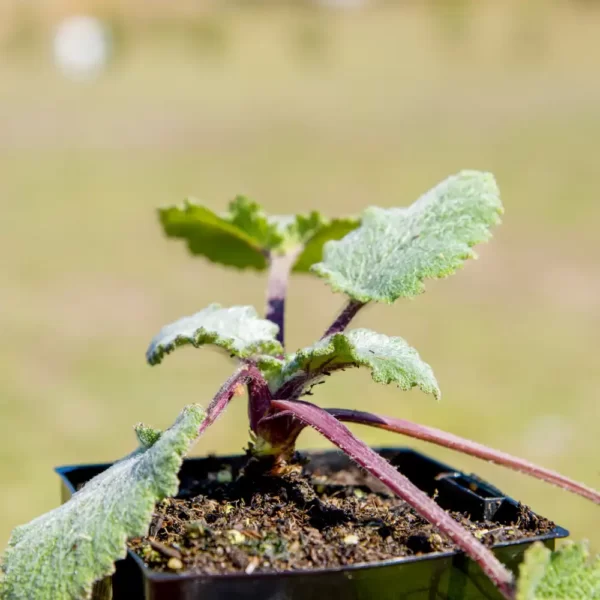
(147, 436)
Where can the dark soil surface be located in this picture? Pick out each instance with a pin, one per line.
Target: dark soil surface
(258, 522)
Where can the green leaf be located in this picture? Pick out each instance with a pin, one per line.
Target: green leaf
(244, 236)
(312, 253)
(240, 238)
(147, 436)
(249, 217)
(59, 555)
(395, 249)
(238, 330)
(390, 359)
(270, 366)
(566, 574)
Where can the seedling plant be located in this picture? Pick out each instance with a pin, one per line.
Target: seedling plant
(381, 257)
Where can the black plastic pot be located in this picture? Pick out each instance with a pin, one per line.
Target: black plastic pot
(448, 575)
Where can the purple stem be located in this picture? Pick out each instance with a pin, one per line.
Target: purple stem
(328, 426)
(259, 397)
(259, 402)
(279, 274)
(454, 442)
(344, 318)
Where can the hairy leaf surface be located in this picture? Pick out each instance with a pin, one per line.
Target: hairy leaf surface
(562, 575)
(390, 359)
(395, 249)
(61, 554)
(270, 366)
(245, 236)
(238, 329)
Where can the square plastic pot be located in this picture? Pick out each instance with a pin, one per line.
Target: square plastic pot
(435, 576)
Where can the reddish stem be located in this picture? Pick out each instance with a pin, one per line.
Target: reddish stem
(344, 318)
(328, 426)
(259, 396)
(454, 442)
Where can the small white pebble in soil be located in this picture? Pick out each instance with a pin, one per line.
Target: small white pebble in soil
(175, 564)
(350, 540)
(235, 536)
(252, 566)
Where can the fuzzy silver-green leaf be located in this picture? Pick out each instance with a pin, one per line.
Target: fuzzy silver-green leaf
(59, 555)
(390, 359)
(395, 249)
(238, 329)
(566, 574)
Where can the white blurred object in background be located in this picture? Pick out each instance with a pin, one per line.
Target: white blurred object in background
(81, 46)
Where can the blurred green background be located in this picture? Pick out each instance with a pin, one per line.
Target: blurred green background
(299, 107)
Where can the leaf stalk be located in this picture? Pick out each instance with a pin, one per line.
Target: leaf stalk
(259, 397)
(455, 442)
(344, 318)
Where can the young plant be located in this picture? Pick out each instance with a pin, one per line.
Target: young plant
(382, 257)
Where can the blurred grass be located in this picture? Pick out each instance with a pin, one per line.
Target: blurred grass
(303, 109)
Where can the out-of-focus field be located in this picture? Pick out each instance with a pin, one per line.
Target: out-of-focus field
(303, 109)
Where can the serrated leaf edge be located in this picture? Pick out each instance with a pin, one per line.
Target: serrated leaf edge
(202, 337)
